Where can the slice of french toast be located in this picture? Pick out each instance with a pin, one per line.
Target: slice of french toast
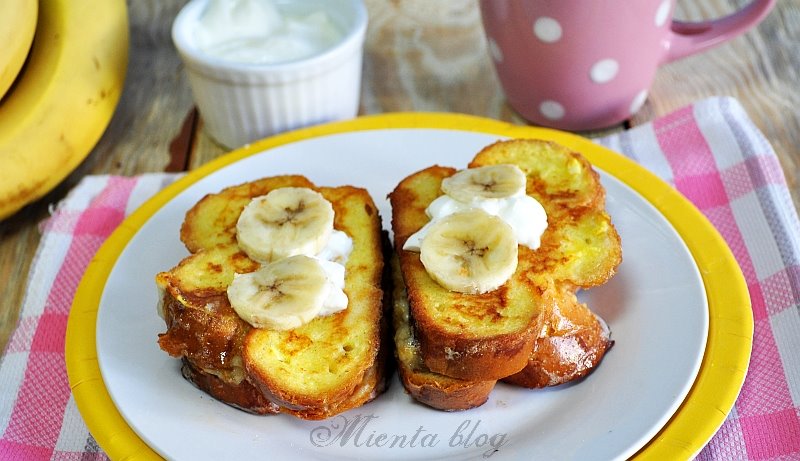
(432, 389)
(580, 248)
(471, 337)
(327, 366)
(492, 335)
(570, 343)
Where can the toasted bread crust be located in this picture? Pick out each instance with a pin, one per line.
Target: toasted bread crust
(201, 325)
(199, 342)
(571, 343)
(243, 396)
(372, 384)
(432, 389)
(225, 355)
(444, 393)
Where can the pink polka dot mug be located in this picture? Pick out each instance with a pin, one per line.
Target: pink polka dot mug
(587, 64)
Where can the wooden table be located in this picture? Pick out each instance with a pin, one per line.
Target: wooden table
(421, 55)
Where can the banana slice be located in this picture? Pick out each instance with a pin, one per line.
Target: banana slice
(286, 222)
(470, 252)
(492, 181)
(282, 295)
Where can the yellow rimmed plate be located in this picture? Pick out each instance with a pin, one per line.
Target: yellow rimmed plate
(679, 311)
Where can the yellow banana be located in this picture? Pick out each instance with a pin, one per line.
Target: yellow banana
(64, 97)
(17, 25)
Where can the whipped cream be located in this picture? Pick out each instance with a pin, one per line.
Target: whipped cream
(332, 258)
(336, 300)
(523, 213)
(263, 32)
(337, 249)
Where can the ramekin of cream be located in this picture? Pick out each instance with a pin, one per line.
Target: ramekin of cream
(261, 67)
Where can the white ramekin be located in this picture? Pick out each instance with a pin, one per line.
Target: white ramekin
(240, 103)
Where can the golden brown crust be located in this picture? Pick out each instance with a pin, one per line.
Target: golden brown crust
(410, 198)
(487, 358)
(580, 248)
(242, 396)
(204, 330)
(572, 342)
(200, 343)
(211, 340)
(444, 393)
(432, 389)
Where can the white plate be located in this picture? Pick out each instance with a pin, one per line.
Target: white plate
(656, 307)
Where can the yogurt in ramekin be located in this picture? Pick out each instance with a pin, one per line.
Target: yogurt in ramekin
(260, 67)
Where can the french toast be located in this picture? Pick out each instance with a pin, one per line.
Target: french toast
(329, 365)
(432, 389)
(475, 337)
(493, 335)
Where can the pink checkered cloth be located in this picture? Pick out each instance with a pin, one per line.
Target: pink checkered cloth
(710, 151)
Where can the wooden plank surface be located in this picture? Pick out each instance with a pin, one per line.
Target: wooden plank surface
(420, 55)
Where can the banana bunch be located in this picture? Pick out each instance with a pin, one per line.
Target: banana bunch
(470, 243)
(64, 96)
(291, 231)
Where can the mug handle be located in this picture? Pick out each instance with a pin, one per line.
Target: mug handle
(688, 38)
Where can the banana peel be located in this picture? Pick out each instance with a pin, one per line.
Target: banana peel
(63, 98)
(17, 26)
